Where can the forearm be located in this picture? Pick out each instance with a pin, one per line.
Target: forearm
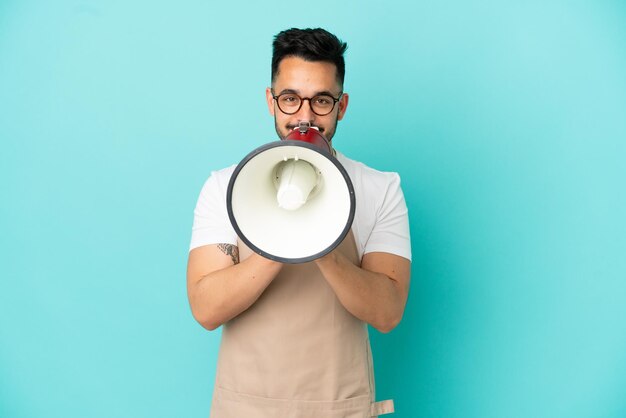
(223, 294)
(372, 297)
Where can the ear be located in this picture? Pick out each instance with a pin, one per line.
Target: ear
(270, 100)
(343, 105)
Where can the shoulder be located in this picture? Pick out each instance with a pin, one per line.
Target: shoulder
(217, 182)
(381, 218)
(210, 223)
(369, 179)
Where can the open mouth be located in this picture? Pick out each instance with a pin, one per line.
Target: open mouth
(292, 127)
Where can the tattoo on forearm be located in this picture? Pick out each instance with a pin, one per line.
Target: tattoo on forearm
(231, 250)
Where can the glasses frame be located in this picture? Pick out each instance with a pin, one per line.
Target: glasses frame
(302, 99)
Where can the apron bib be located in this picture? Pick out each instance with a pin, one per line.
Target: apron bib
(296, 352)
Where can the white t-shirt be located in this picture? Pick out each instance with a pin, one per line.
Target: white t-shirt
(381, 222)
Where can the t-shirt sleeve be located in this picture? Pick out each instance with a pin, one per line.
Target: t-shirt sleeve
(210, 223)
(391, 229)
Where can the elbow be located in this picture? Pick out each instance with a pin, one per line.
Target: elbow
(206, 319)
(205, 311)
(386, 325)
(385, 328)
(210, 326)
(208, 323)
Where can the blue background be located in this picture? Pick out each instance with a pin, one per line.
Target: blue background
(506, 121)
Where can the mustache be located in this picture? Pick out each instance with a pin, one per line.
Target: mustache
(292, 127)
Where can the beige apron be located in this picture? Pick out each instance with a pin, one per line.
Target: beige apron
(296, 353)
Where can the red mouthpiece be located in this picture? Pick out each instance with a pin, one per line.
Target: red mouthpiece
(304, 132)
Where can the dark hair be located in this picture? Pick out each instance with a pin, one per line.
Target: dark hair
(310, 45)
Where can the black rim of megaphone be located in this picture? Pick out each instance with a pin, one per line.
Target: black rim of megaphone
(284, 143)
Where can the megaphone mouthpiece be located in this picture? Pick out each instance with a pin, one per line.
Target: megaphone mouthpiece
(306, 133)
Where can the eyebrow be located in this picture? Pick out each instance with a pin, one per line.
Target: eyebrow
(326, 92)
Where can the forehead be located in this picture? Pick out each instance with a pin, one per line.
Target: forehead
(307, 77)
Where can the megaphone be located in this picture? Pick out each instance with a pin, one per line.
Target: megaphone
(291, 200)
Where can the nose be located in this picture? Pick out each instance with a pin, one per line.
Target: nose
(305, 112)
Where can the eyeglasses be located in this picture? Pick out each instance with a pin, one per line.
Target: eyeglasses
(321, 105)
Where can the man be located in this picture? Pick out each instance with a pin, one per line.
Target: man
(294, 340)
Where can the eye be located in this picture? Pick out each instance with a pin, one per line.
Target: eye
(289, 98)
(323, 100)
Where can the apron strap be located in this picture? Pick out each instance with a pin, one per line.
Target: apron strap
(382, 408)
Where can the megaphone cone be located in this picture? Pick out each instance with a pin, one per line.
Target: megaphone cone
(291, 201)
